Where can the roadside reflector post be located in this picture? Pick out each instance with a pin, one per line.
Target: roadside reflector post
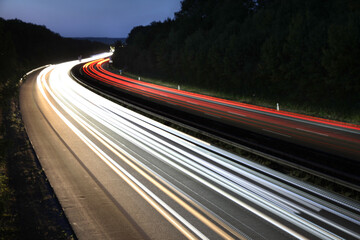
(139, 78)
(178, 87)
(277, 106)
(120, 72)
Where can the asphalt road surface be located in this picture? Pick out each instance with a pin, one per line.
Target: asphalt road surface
(338, 138)
(120, 175)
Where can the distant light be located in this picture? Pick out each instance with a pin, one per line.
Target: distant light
(101, 55)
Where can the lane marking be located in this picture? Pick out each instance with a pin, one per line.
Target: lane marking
(257, 212)
(114, 166)
(131, 161)
(134, 183)
(265, 217)
(313, 132)
(281, 134)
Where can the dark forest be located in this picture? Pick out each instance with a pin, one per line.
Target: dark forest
(299, 52)
(27, 204)
(24, 46)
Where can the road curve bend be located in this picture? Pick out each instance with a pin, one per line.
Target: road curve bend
(120, 175)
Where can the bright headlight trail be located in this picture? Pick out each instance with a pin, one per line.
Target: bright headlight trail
(204, 192)
(332, 136)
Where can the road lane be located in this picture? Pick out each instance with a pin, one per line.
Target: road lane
(162, 183)
(330, 136)
(91, 209)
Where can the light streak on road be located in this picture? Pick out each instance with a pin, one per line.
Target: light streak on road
(152, 199)
(342, 139)
(224, 102)
(200, 189)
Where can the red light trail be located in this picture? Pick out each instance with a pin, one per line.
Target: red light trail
(311, 131)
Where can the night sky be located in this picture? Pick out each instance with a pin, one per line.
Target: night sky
(89, 18)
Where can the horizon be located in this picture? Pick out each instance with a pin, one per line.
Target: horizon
(57, 32)
(101, 37)
(88, 18)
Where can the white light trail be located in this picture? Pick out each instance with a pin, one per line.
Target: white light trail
(104, 120)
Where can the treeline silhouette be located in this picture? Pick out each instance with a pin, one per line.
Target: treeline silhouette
(303, 52)
(24, 46)
(25, 195)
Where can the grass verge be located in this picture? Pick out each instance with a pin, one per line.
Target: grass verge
(290, 171)
(315, 111)
(29, 208)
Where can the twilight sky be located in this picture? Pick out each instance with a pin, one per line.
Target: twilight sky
(89, 18)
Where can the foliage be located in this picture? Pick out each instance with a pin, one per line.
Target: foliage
(36, 45)
(28, 208)
(24, 46)
(298, 52)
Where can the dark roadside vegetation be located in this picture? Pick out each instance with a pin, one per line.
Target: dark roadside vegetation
(28, 206)
(303, 54)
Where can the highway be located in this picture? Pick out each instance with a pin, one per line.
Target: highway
(120, 175)
(331, 141)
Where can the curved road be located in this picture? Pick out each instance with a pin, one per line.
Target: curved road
(335, 137)
(119, 175)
